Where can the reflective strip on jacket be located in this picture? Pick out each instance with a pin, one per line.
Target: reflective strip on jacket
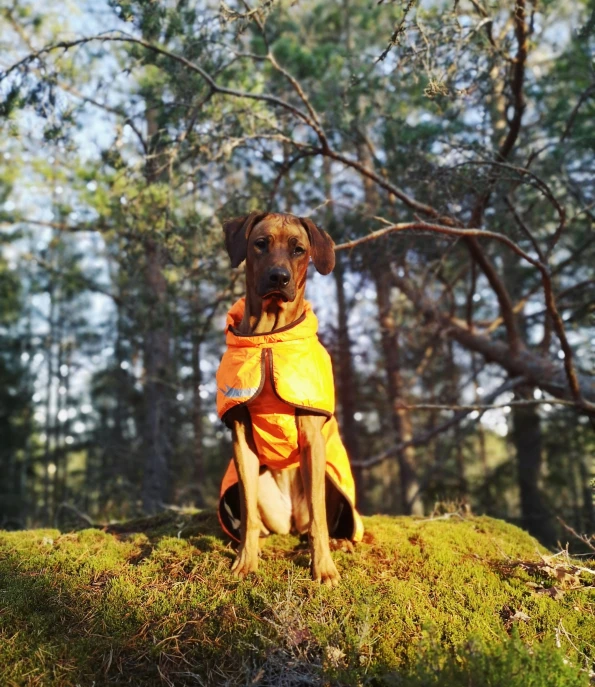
(302, 377)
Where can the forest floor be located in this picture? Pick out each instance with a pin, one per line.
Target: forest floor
(448, 601)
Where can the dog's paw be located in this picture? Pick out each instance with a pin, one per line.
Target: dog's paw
(246, 562)
(325, 571)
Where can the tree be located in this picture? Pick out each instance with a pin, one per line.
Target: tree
(450, 156)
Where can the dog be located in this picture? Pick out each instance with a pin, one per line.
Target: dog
(290, 471)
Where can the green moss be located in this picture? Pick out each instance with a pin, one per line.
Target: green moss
(421, 602)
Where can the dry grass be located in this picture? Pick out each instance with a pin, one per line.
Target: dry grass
(458, 601)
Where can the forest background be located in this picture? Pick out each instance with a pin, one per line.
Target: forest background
(448, 148)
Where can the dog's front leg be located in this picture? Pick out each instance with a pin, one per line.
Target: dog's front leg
(313, 469)
(246, 462)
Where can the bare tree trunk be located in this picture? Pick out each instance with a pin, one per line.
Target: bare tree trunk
(156, 353)
(24, 487)
(454, 381)
(117, 452)
(199, 467)
(22, 483)
(345, 382)
(103, 462)
(61, 460)
(345, 377)
(411, 503)
(58, 434)
(587, 483)
(526, 435)
(540, 371)
(49, 428)
(157, 340)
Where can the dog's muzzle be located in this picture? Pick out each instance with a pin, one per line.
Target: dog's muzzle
(277, 282)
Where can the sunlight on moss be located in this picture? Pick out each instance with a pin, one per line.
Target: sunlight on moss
(422, 602)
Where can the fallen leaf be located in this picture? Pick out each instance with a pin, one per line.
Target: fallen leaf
(555, 592)
(519, 615)
(509, 615)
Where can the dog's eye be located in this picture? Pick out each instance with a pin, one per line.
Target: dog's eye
(261, 243)
(298, 250)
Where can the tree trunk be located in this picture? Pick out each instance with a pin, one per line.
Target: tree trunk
(61, 460)
(117, 449)
(156, 392)
(345, 382)
(587, 483)
(454, 382)
(526, 436)
(47, 451)
(156, 353)
(345, 377)
(411, 503)
(199, 467)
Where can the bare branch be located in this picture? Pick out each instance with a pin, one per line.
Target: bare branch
(518, 76)
(483, 407)
(523, 227)
(316, 124)
(123, 38)
(550, 301)
(539, 371)
(541, 185)
(499, 288)
(426, 436)
(585, 95)
(273, 100)
(397, 33)
(588, 541)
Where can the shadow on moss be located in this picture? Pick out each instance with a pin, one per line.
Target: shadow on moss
(511, 664)
(152, 602)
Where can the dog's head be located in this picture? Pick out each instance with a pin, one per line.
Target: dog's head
(277, 249)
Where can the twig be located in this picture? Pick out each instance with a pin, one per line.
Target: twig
(399, 30)
(587, 93)
(483, 407)
(426, 436)
(589, 542)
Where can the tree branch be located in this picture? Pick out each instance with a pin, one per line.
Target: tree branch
(215, 87)
(426, 436)
(537, 370)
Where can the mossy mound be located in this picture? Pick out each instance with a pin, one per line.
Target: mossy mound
(456, 601)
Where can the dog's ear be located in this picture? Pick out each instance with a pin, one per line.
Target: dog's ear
(237, 231)
(322, 245)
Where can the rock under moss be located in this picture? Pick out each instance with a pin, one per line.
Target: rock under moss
(455, 601)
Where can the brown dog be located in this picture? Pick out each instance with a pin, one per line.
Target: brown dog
(277, 249)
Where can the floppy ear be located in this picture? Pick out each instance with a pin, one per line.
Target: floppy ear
(237, 231)
(323, 247)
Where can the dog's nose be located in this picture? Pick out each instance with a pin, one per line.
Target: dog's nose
(279, 276)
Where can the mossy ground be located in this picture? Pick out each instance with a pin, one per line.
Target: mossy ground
(421, 602)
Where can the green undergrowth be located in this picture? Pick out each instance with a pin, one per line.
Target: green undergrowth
(445, 602)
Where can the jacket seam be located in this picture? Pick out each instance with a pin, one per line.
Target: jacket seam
(293, 405)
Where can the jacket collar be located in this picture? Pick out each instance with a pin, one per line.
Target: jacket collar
(304, 327)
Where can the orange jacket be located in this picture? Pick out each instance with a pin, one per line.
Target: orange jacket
(301, 374)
